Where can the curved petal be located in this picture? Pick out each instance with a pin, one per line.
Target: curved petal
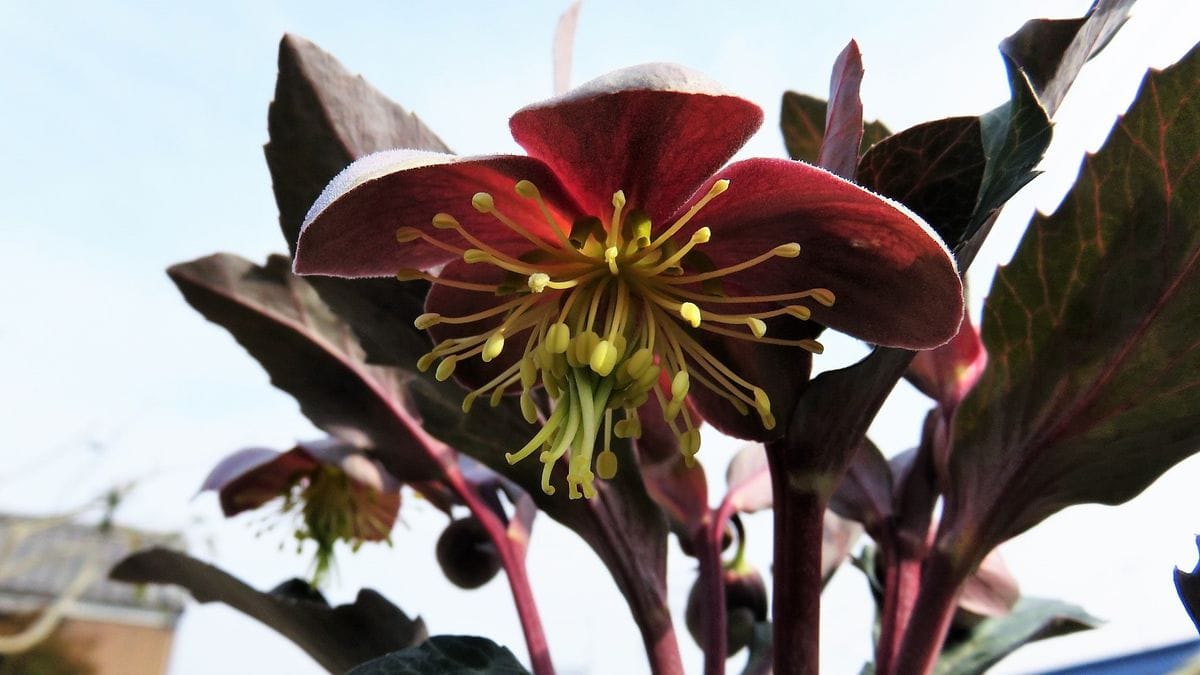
(249, 478)
(895, 283)
(448, 301)
(655, 131)
(782, 371)
(351, 229)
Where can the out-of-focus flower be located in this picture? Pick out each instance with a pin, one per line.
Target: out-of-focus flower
(337, 492)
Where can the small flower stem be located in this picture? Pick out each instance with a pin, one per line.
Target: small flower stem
(902, 578)
(796, 602)
(708, 548)
(934, 607)
(512, 559)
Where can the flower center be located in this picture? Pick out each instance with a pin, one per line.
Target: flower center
(611, 315)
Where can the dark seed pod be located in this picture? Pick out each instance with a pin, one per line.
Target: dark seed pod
(745, 605)
(466, 554)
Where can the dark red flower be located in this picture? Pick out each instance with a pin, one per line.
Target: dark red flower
(338, 491)
(611, 265)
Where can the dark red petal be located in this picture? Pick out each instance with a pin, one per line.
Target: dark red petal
(655, 131)
(358, 466)
(948, 373)
(351, 229)
(781, 371)
(895, 282)
(252, 477)
(456, 302)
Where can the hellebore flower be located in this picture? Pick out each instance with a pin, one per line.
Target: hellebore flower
(611, 266)
(338, 492)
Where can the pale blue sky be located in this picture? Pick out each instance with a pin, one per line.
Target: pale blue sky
(133, 137)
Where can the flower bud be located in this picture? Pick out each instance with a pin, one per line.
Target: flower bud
(466, 555)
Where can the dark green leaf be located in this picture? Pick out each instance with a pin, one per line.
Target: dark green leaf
(993, 639)
(322, 119)
(310, 354)
(1091, 391)
(446, 655)
(1015, 137)
(1053, 51)
(339, 638)
(803, 122)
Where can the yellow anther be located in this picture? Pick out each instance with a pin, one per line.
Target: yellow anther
(800, 312)
(528, 373)
(762, 402)
(689, 445)
(630, 427)
(483, 202)
(718, 187)
(538, 281)
(604, 358)
(582, 346)
(672, 411)
(497, 394)
(757, 326)
(823, 296)
(409, 274)
(446, 368)
(445, 221)
(606, 465)
(618, 200)
(680, 385)
(474, 255)
(787, 250)
(768, 420)
(638, 362)
(528, 408)
(493, 346)
(690, 313)
(469, 400)
(647, 379)
(527, 189)
(610, 257)
(702, 235)
(426, 320)
(426, 361)
(407, 234)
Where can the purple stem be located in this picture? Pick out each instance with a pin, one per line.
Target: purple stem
(512, 559)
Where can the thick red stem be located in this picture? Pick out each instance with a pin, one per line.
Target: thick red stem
(512, 559)
(902, 583)
(796, 603)
(921, 643)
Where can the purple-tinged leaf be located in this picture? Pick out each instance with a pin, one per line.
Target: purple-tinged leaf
(934, 168)
(1031, 620)
(866, 493)
(564, 47)
(338, 638)
(802, 119)
(1092, 389)
(991, 591)
(322, 119)
(1187, 584)
(1053, 51)
(310, 354)
(843, 115)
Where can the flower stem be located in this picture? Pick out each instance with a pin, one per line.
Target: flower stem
(796, 602)
(902, 578)
(932, 611)
(512, 559)
(708, 548)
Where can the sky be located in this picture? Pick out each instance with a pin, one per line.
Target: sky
(134, 136)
